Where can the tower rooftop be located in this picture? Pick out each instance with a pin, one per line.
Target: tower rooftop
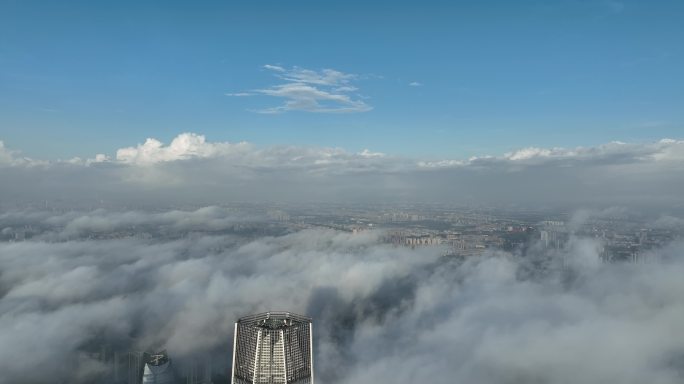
(274, 319)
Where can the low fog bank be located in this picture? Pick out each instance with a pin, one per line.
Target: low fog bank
(55, 225)
(381, 313)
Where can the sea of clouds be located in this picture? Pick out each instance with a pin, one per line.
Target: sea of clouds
(177, 279)
(381, 313)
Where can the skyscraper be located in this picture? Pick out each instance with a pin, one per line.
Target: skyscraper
(273, 348)
(158, 370)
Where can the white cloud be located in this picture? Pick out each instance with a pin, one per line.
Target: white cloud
(188, 146)
(669, 150)
(324, 91)
(191, 168)
(99, 158)
(383, 313)
(615, 152)
(415, 84)
(239, 94)
(184, 146)
(346, 88)
(6, 156)
(441, 164)
(12, 158)
(369, 154)
(274, 68)
(528, 153)
(305, 97)
(327, 77)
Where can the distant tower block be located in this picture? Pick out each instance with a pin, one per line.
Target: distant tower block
(273, 348)
(158, 370)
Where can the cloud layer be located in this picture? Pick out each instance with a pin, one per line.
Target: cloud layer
(382, 314)
(184, 146)
(194, 170)
(325, 91)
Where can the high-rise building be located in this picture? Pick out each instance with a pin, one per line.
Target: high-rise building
(158, 370)
(135, 367)
(273, 348)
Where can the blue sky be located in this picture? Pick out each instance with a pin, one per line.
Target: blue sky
(79, 78)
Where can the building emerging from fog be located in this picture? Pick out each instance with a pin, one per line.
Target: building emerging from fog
(158, 370)
(273, 348)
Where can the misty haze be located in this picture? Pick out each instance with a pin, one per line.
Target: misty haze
(341, 192)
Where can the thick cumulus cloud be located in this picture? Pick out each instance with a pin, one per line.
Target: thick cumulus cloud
(193, 170)
(381, 313)
(185, 146)
(10, 157)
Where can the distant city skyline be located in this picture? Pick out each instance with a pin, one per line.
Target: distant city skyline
(435, 79)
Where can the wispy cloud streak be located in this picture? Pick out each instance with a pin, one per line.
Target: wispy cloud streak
(324, 91)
